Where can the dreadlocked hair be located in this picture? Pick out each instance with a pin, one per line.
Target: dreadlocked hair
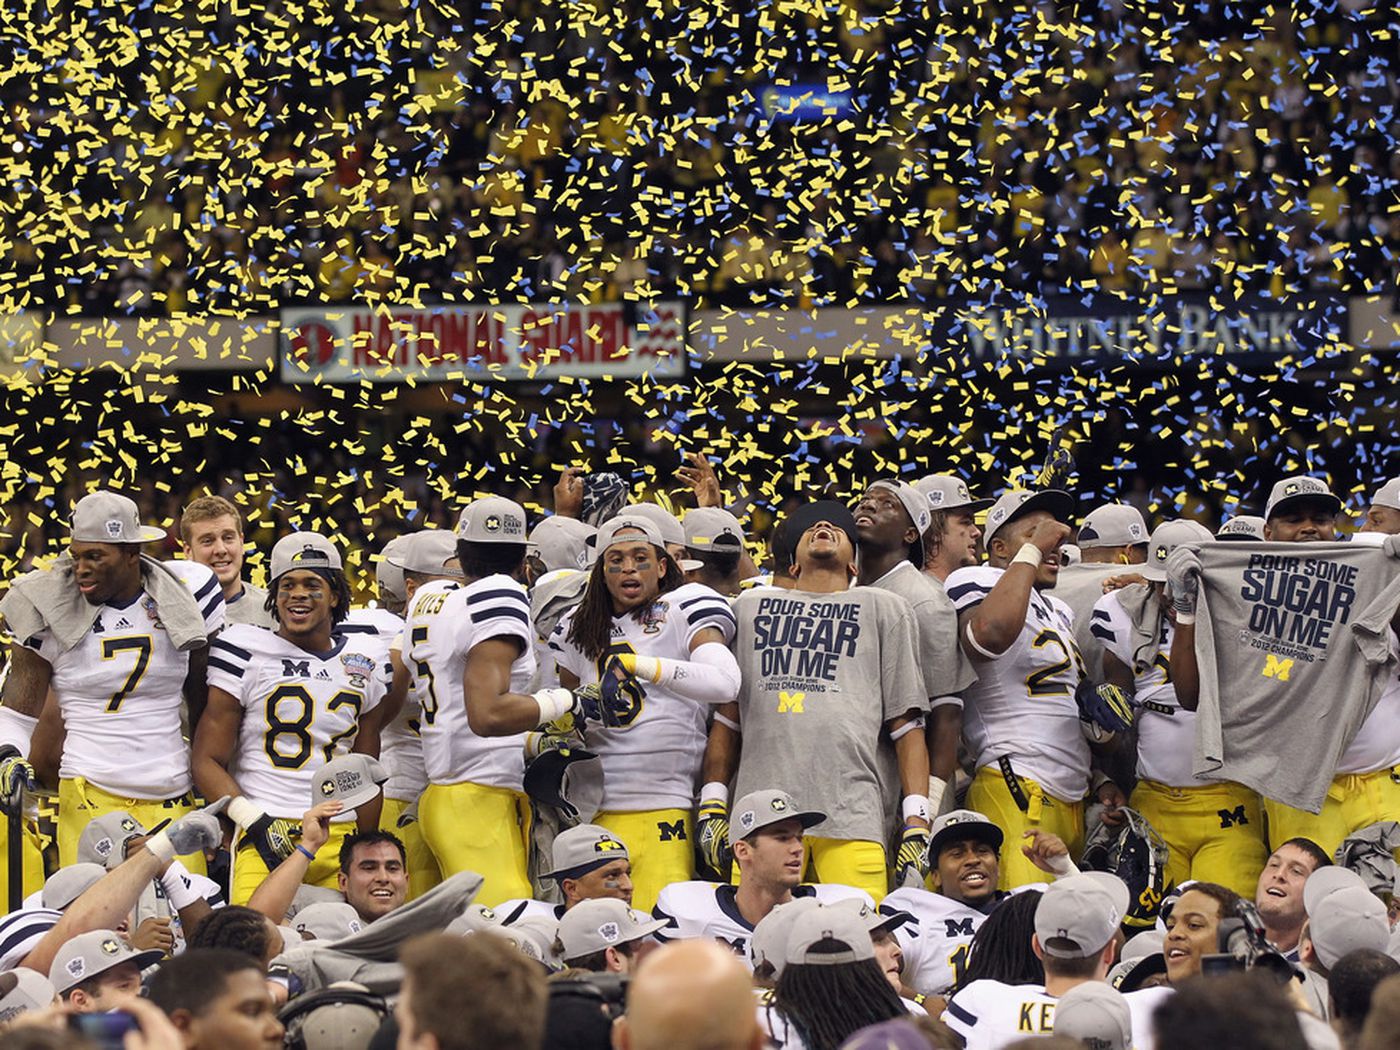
(236, 928)
(828, 1004)
(340, 589)
(590, 631)
(1001, 947)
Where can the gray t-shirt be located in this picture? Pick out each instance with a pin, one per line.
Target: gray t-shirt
(1294, 645)
(946, 668)
(250, 608)
(822, 675)
(1079, 587)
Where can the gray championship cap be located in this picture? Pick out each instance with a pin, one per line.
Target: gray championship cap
(352, 779)
(1297, 489)
(1019, 502)
(303, 550)
(346, 1024)
(427, 553)
(102, 841)
(627, 528)
(1112, 525)
(108, 517)
(592, 925)
(388, 573)
(872, 920)
(713, 529)
(947, 492)
(828, 936)
(475, 918)
(668, 526)
(1096, 1015)
(492, 519)
(1140, 957)
(584, 848)
(1165, 539)
(22, 990)
(1077, 916)
(915, 504)
(561, 543)
(327, 921)
(769, 941)
(1345, 921)
(90, 954)
(66, 885)
(1388, 495)
(1244, 527)
(760, 809)
(961, 824)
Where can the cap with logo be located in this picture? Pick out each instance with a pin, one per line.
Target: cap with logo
(1388, 495)
(1166, 537)
(827, 936)
(1141, 957)
(769, 941)
(351, 779)
(667, 524)
(871, 919)
(584, 848)
(915, 504)
(625, 528)
(713, 529)
(960, 824)
(492, 519)
(426, 553)
(1112, 525)
(303, 550)
(102, 840)
(1244, 527)
(1096, 1015)
(1077, 916)
(108, 517)
(561, 543)
(1017, 503)
(475, 918)
(89, 954)
(604, 922)
(947, 492)
(388, 573)
(760, 809)
(66, 885)
(22, 990)
(1298, 489)
(327, 921)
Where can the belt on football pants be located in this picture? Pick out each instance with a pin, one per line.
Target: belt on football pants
(1013, 784)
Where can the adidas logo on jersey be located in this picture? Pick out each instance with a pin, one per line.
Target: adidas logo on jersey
(323, 675)
(123, 624)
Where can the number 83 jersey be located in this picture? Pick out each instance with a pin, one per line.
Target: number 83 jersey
(300, 709)
(1022, 705)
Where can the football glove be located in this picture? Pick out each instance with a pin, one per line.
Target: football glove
(1184, 579)
(713, 858)
(275, 839)
(1106, 706)
(911, 859)
(16, 777)
(611, 702)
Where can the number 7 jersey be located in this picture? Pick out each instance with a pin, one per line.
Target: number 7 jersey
(300, 709)
(1022, 705)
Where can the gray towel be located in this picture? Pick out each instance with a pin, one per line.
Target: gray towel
(1145, 614)
(371, 956)
(49, 598)
(1370, 852)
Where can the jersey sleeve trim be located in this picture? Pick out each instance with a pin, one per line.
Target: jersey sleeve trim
(962, 1016)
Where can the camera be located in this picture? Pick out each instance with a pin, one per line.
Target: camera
(1243, 945)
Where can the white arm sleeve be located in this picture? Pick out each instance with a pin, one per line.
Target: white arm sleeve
(710, 676)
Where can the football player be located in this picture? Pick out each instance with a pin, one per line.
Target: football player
(953, 540)
(211, 533)
(117, 639)
(281, 705)
(1383, 515)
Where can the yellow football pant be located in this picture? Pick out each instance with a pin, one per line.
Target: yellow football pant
(1353, 801)
(848, 862)
(660, 843)
(1214, 832)
(80, 802)
(249, 869)
(990, 796)
(31, 857)
(473, 827)
(423, 872)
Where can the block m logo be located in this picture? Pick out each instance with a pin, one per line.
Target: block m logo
(1276, 668)
(296, 668)
(958, 927)
(1231, 817)
(671, 830)
(790, 703)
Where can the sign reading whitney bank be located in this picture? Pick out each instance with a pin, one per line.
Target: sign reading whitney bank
(439, 343)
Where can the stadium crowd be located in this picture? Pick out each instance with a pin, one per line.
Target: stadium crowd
(935, 777)
(231, 160)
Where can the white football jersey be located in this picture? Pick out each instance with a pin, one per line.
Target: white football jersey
(652, 761)
(400, 742)
(445, 620)
(990, 1014)
(1022, 705)
(300, 709)
(936, 943)
(707, 910)
(781, 1033)
(119, 693)
(1376, 745)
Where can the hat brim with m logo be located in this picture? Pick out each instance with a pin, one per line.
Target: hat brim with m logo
(1299, 489)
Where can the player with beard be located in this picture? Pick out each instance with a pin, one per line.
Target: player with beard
(1025, 717)
(831, 711)
(282, 705)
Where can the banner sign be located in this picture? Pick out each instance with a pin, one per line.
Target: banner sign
(445, 343)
